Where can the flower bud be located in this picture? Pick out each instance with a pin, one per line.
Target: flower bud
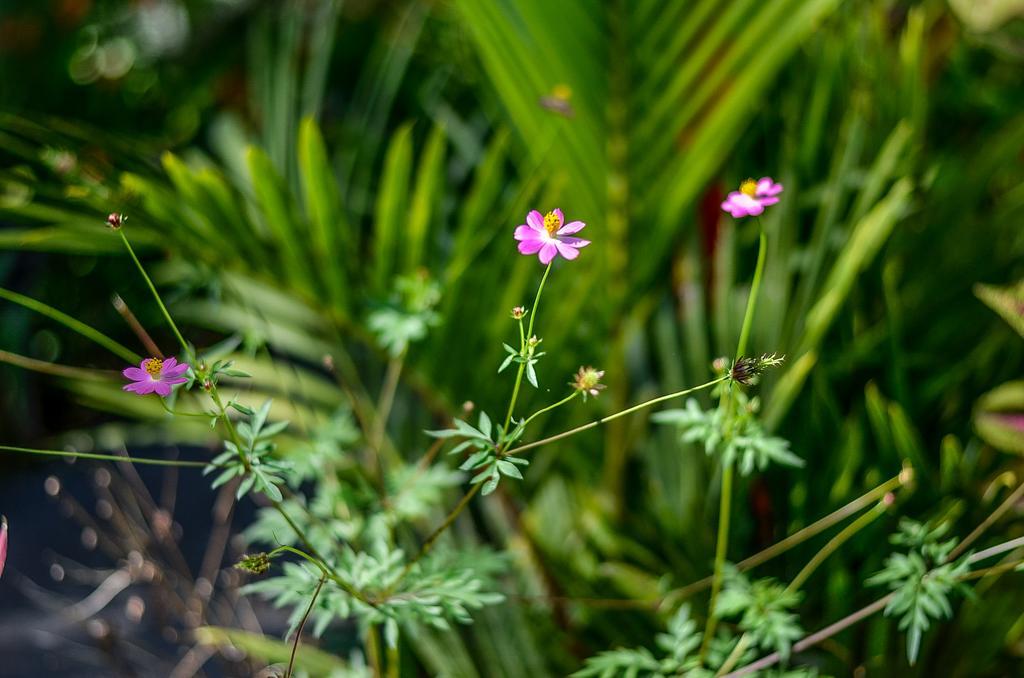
(116, 220)
(256, 563)
(519, 312)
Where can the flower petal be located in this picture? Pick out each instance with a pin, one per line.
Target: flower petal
(535, 220)
(573, 242)
(767, 201)
(571, 227)
(567, 251)
(3, 543)
(174, 380)
(135, 373)
(140, 387)
(548, 252)
(525, 232)
(162, 389)
(561, 217)
(169, 364)
(175, 371)
(766, 186)
(530, 246)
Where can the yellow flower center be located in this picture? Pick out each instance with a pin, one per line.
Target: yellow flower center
(154, 366)
(749, 187)
(561, 91)
(551, 222)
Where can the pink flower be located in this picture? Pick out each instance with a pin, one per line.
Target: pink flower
(155, 376)
(3, 543)
(752, 197)
(547, 235)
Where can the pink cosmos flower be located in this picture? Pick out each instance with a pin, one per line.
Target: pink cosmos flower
(752, 197)
(155, 376)
(3, 543)
(547, 235)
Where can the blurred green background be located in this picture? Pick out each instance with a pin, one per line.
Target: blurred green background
(283, 163)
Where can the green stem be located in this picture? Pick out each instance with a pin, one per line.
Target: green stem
(72, 324)
(373, 650)
(755, 288)
(429, 543)
(725, 502)
(735, 655)
(384, 404)
(230, 427)
(721, 546)
(549, 408)
(565, 434)
(394, 661)
(877, 606)
(1011, 500)
(105, 457)
(529, 334)
(302, 625)
(233, 435)
(168, 410)
(156, 295)
(795, 539)
(835, 542)
(612, 417)
(324, 568)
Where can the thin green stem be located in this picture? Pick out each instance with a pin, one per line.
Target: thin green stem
(387, 400)
(72, 324)
(612, 417)
(230, 427)
(735, 655)
(529, 334)
(755, 288)
(877, 606)
(815, 638)
(797, 538)
(725, 502)
(997, 550)
(835, 542)
(550, 407)
(394, 661)
(156, 295)
(302, 625)
(233, 435)
(373, 650)
(54, 369)
(1011, 500)
(721, 546)
(429, 543)
(176, 413)
(104, 457)
(324, 568)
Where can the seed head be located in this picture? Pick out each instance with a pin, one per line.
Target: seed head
(588, 381)
(744, 369)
